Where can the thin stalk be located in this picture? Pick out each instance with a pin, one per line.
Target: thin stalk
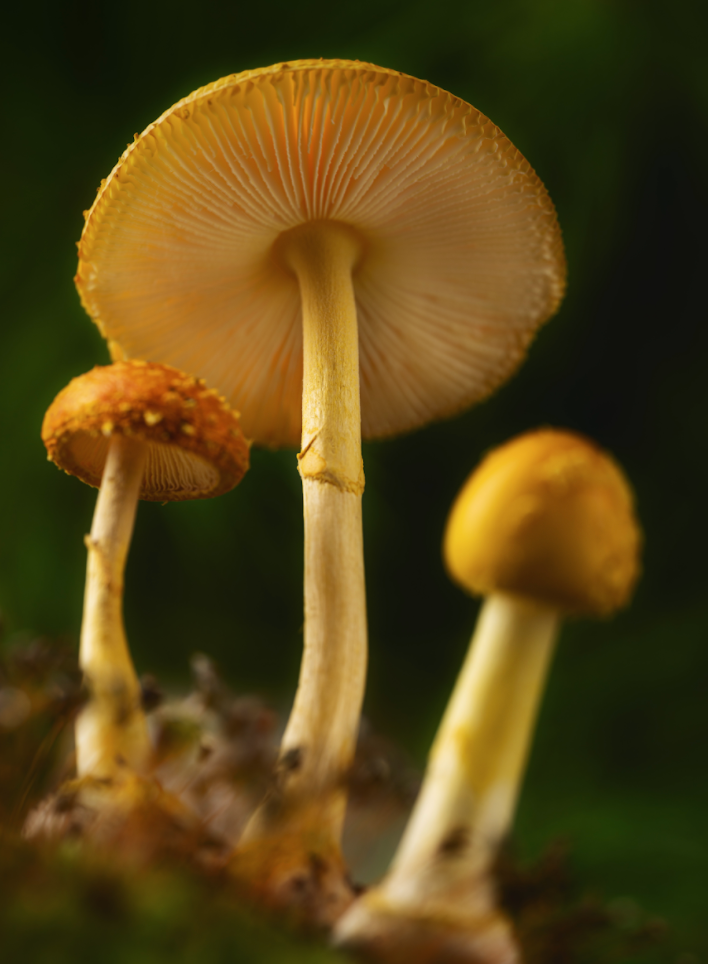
(319, 741)
(111, 730)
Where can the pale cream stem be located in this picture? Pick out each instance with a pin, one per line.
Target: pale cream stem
(111, 730)
(467, 802)
(320, 737)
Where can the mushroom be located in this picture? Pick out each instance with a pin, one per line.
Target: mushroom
(145, 431)
(544, 527)
(342, 250)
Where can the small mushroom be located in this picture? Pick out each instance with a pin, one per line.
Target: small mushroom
(342, 250)
(135, 430)
(544, 527)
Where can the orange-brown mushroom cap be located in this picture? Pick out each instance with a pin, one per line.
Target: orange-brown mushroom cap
(196, 448)
(462, 255)
(548, 516)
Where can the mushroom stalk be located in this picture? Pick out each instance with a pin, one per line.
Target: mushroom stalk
(319, 741)
(323, 255)
(111, 730)
(469, 794)
(322, 730)
(437, 902)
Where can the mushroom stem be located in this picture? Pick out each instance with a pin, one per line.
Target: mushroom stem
(476, 763)
(323, 725)
(111, 730)
(319, 741)
(437, 901)
(323, 255)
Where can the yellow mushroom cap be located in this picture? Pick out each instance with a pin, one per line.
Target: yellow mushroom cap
(548, 516)
(196, 448)
(462, 255)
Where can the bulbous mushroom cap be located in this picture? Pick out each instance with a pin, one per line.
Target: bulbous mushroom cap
(548, 516)
(196, 448)
(462, 255)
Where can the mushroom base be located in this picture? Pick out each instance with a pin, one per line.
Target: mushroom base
(130, 816)
(110, 731)
(296, 870)
(383, 932)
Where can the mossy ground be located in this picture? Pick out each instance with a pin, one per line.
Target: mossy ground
(147, 894)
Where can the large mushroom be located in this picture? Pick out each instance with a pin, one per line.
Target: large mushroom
(135, 430)
(543, 528)
(342, 250)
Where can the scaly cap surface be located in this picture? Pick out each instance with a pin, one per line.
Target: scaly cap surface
(196, 447)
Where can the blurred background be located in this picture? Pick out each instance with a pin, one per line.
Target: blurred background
(608, 99)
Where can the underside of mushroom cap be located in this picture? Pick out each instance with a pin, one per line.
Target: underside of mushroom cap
(196, 448)
(462, 254)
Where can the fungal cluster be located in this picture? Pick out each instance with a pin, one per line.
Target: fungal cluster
(335, 251)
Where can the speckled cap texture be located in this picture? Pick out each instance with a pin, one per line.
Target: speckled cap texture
(196, 448)
(548, 516)
(462, 257)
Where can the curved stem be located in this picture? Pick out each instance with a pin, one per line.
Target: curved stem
(111, 730)
(323, 725)
(319, 741)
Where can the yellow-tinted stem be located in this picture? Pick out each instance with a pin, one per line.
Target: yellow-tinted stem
(323, 254)
(111, 730)
(477, 760)
(319, 741)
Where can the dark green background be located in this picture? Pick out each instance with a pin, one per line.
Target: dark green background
(608, 99)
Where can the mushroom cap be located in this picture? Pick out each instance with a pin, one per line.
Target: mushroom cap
(196, 448)
(548, 516)
(462, 255)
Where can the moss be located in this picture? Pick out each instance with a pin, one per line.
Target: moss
(152, 887)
